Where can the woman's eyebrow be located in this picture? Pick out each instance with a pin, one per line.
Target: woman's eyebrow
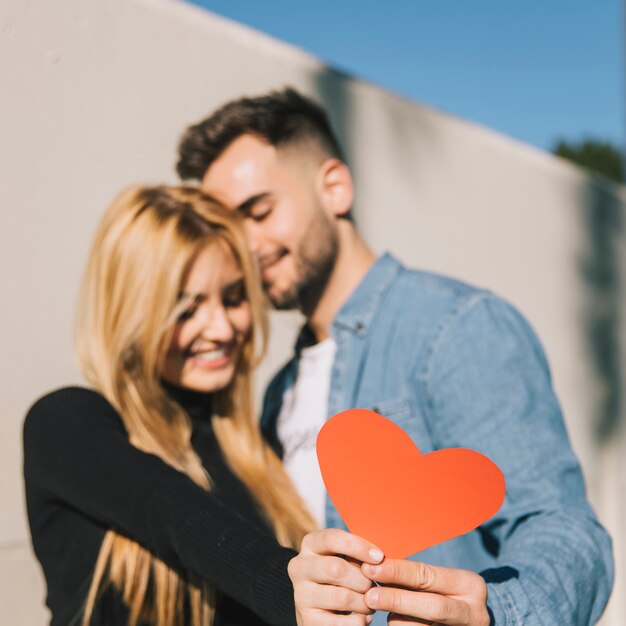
(192, 297)
(238, 282)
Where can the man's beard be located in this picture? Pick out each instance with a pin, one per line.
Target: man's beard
(315, 261)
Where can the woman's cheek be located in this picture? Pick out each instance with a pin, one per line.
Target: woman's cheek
(243, 320)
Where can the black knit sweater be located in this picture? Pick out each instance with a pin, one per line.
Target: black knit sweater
(83, 477)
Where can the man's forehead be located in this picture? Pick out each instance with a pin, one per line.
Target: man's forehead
(242, 170)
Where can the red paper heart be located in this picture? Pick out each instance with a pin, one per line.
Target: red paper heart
(401, 500)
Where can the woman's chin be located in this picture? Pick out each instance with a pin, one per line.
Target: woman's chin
(208, 382)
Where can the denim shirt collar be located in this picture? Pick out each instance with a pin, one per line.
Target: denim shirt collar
(358, 311)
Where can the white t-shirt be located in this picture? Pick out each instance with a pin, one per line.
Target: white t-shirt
(302, 414)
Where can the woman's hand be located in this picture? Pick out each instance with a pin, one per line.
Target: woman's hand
(327, 579)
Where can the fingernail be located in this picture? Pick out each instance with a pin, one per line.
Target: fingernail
(369, 619)
(372, 597)
(376, 555)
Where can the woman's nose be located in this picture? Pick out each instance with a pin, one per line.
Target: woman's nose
(218, 326)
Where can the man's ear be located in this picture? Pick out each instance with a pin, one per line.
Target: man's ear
(335, 187)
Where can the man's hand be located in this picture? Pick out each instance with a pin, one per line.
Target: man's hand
(426, 594)
(326, 584)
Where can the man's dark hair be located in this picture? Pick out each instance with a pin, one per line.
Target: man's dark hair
(280, 118)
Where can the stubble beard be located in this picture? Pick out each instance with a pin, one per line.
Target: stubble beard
(315, 261)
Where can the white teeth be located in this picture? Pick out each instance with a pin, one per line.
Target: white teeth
(211, 355)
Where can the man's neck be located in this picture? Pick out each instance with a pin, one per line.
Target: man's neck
(353, 262)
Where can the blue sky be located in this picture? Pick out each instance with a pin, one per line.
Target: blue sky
(535, 70)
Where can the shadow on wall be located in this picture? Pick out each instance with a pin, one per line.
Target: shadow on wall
(333, 93)
(331, 90)
(603, 223)
(393, 134)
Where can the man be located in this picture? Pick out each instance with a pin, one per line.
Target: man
(454, 366)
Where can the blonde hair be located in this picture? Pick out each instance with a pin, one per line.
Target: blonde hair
(128, 306)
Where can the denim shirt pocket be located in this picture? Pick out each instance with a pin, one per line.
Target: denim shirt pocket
(403, 412)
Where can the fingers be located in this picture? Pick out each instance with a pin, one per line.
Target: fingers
(327, 579)
(323, 618)
(429, 593)
(393, 619)
(329, 570)
(423, 577)
(427, 607)
(335, 541)
(331, 598)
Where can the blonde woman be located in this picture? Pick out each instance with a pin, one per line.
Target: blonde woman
(152, 498)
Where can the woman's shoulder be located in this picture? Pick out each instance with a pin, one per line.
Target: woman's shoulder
(67, 398)
(68, 404)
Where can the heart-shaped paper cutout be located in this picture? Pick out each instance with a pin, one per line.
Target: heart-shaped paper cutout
(401, 500)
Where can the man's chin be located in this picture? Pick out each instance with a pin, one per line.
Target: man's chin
(283, 300)
(283, 304)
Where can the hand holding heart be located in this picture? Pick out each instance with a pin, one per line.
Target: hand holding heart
(325, 584)
(430, 594)
(404, 501)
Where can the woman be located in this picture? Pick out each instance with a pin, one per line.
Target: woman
(152, 498)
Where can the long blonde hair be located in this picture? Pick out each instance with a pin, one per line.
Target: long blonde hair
(129, 303)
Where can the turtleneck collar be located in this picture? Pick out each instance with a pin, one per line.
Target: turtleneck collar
(197, 404)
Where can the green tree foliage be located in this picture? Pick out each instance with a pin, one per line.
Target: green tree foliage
(600, 157)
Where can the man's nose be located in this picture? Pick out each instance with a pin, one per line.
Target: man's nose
(253, 236)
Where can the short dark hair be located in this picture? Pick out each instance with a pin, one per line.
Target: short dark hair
(280, 118)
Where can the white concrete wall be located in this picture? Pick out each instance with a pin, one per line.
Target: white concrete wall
(94, 95)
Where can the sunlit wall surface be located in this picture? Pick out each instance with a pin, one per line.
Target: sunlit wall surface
(94, 95)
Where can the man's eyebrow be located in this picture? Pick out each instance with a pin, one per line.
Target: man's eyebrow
(245, 207)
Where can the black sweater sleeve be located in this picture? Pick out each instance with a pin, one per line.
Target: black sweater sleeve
(77, 451)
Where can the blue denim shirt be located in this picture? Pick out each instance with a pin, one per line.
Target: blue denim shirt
(455, 366)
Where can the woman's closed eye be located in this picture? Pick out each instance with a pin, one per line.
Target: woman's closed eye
(188, 303)
(234, 294)
(187, 314)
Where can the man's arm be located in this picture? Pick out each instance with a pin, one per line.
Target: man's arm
(487, 387)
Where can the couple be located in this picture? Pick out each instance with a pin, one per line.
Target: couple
(154, 500)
